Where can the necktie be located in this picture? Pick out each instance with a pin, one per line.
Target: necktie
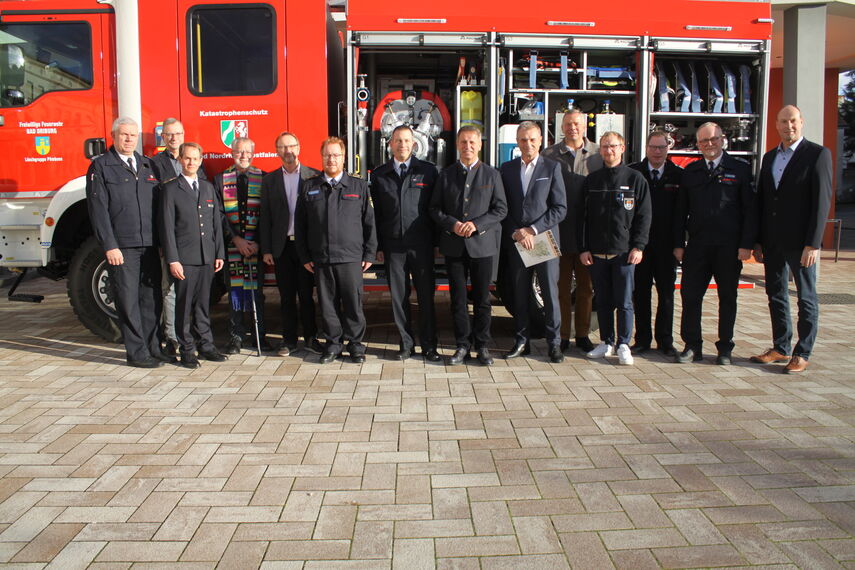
(403, 171)
(196, 189)
(711, 167)
(131, 164)
(654, 175)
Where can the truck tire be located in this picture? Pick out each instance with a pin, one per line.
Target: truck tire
(90, 292)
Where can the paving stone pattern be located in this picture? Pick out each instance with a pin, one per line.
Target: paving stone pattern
(283, 463)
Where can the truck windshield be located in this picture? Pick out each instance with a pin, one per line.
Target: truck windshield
(39, 58)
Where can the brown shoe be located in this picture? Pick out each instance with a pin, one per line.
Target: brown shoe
(770, 355)
(796, 364)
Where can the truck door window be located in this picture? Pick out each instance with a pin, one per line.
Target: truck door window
(39, 58)
(232, 50)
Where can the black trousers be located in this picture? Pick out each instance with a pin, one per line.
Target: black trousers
(659, 266)
(480, 271)
(779, 264)
(294, 282)
(547, 276)
(340, 295)
(700, 264)
(136, 285)
(192, 302)
(404, 269)
(240, 320)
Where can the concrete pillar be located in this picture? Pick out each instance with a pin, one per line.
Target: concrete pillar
(804, 64)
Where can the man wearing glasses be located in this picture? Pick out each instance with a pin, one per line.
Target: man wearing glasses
(337, 241)
(280, 191)
(716, 207)
(239, 188)
(658, 264)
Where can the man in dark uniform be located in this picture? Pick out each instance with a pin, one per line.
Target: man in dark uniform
(794, 195)
(534, 189)
(337, 241)
(166, 166)
(239, 189)
(468, 206)
(578, 157)
(716, 205)
(401, 190)
(280, 192)
(614, 223)
(191, 233)
(121, 196)
(658, 263)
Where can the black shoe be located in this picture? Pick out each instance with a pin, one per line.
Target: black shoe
(171, 348)
(689, 355)
(234, 346)
(519, 349)
(640, 348)
(189, 361)
(668, 350)
(565, 344)
(404, 354)
(723, 359)
(212, 355)
(556, 355)
(314, 345)
(265, 345)
(431, 355)
(162, 356)
(459, 357)
(484, 357)
(584, 344)
(328, 357)
(357, 357)
(145, 363)
(285, 349)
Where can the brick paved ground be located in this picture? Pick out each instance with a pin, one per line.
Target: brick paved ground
(283, 463)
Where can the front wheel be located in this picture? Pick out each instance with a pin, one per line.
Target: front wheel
(90, 291)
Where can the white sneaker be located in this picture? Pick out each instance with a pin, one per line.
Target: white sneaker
(602, 351)
(624, 355)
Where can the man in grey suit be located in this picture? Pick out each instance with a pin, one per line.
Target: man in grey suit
(578, 157)
(534, 189)
(794, 194)
(280, 190)
(468, 205)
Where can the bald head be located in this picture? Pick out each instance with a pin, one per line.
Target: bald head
(789, 124)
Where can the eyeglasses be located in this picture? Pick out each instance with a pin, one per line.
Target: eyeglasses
(286, 146)
(610, 146)
(335, 156)
(170, 135)
(242, 152)
(658, 147)
(710, 140)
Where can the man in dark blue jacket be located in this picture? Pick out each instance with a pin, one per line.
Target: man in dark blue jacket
(537, 203)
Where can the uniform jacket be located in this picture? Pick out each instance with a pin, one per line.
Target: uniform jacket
(190, 229)
(402, 208)
(589, 162)
(230, 230)
(163, 170)
(717, 210)
(122, 206)
(335, 225)
(275, 215)
(793, 215)
(543, 206)
(663, 199)
(616, 214)
(481, 202)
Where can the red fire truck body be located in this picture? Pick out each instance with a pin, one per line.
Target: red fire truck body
(68, 68)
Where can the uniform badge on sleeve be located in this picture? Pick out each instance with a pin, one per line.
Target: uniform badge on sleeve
(628, 203)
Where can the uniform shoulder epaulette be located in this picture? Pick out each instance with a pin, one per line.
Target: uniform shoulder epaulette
(742, 160)
(167, 181)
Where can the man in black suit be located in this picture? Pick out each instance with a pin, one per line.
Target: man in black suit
(121, 193)
(239, 189)
(280, 191)
(534, 189)
(337, 241)
(658, 263)
(191, 233)
(468, 206)
(401, 190)
(716, 206)
(166, 166)
(794, 196)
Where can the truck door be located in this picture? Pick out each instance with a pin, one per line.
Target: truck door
(51, 96)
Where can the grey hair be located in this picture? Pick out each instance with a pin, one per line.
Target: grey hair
(122, 121)
(237, 142)
(528, 125)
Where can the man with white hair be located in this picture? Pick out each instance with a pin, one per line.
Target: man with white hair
(121, 194)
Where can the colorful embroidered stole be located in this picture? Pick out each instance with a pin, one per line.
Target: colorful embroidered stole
(240, 269)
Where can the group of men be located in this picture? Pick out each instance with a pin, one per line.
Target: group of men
(620, 229)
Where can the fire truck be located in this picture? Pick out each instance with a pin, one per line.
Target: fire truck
(255, 68)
